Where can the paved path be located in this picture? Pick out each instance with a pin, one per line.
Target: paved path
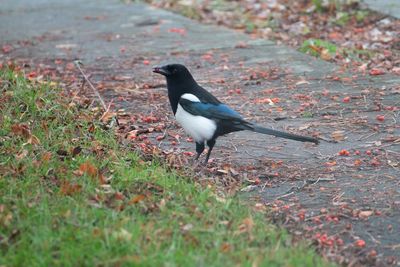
(391, 7)
(119, 43)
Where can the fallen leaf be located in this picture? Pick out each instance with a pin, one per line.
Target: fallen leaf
(376, 72)
(302, 82)
(7, 48)
(221, 171)
(225, 247)
(136, 199)
(122, 235)
(380, 118)
(241, 45)
(69, 189)
(21, 130)
(338, 136)
(180, 31)
(46, 156)
(76, 151)
(187, 227)
(33, 140)
(360, 243)
(325, 55)
(22, 154)
(246, 225)
(89, 169)
(365, 214)
(66, 46)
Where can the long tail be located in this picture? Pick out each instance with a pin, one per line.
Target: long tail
(276, 133)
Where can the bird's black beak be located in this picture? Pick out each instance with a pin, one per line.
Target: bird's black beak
(161, 70)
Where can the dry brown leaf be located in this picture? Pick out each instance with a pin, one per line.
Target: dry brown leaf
(69, 189)
(22, 154)
(108, 115)
(21, 129)
(33, 140)
(365, 214)
(122, 235)
(137, 199)
(246, 225)
(302, 82)
(76, 150)
(338, 136)
(46, 156)
(89, 169)
(187, 227)
(304, 127)
(325, 55)
(220, 171)
(225, 247)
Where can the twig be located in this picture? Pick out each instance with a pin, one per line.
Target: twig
(327, 139)
(285, 195)
(373, 238)
(366, 136)
(78, 64)
(295, 189)
(393, 247)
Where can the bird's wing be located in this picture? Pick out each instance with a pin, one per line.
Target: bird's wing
(205, 96)
(210, 111)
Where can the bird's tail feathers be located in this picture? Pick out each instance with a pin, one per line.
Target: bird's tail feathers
(263, 130)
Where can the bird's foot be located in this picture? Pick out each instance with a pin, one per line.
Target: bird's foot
(195, 162)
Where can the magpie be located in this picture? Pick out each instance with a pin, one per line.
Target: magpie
(203, 116)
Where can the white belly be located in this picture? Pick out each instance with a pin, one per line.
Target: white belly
(200, 128)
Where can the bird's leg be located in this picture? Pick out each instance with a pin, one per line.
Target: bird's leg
(210, 144)
(199, 149)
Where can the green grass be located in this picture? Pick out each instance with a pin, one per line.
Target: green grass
(315, 46)
(56, 210)
(327, 50)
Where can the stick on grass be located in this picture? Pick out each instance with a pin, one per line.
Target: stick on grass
(78, 64)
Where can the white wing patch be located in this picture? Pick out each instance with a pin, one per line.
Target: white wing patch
(198, 127)
(190, 97)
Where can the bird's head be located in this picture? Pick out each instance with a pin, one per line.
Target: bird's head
(177, 72)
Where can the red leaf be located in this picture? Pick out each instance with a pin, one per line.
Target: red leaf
(207, 57)
(180, 31)
(380, 117)
(7, 48)
(32, 74)
(360, 243)
(160, 137)
(376, 71)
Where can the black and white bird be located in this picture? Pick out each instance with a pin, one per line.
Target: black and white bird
(203, 116)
